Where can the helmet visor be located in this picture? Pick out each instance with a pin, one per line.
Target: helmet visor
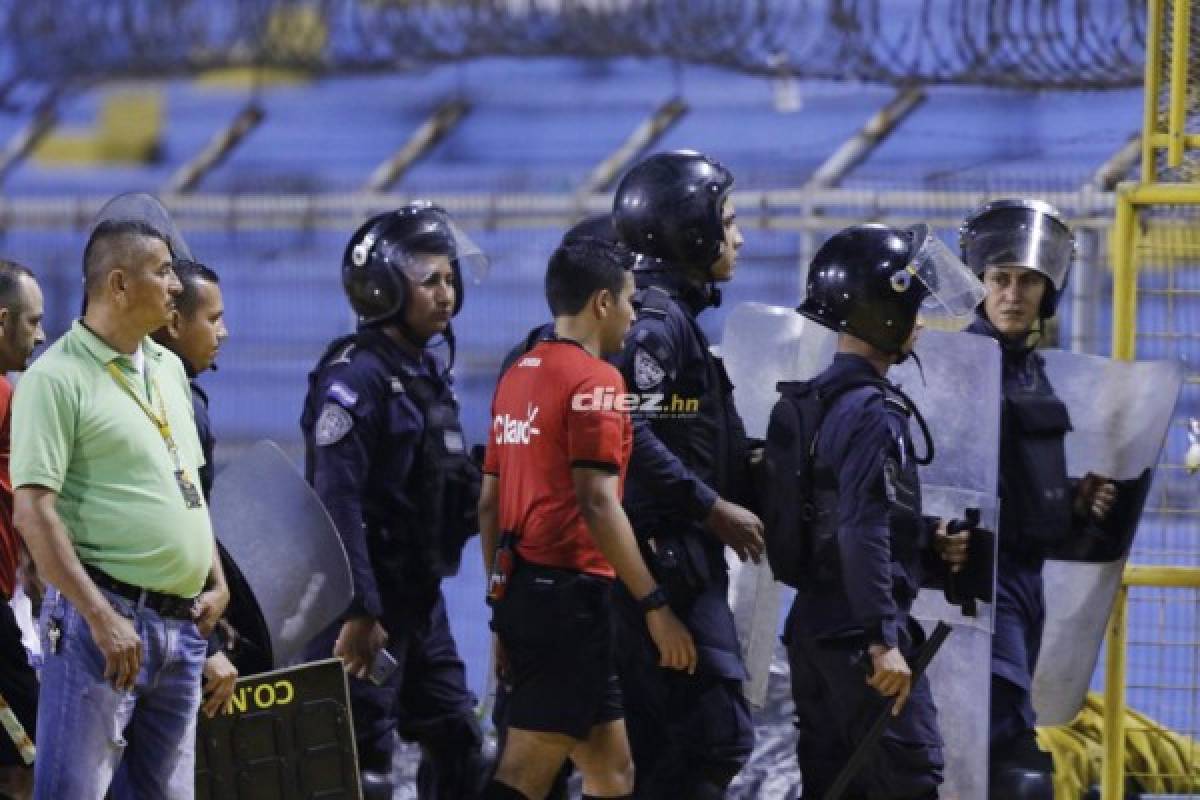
(1019, 237)
(953, 289)
(417, 264)
(473, 264)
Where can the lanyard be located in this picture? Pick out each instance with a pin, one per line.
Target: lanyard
(159, 419)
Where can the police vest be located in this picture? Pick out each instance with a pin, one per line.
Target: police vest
(908, 534)
(442, 484)
(1035, 493)
(711, 444)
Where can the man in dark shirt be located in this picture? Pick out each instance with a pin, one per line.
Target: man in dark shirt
(386, 454)
(195, 332)
(1022, 249)
(688, 481)
(849, 634)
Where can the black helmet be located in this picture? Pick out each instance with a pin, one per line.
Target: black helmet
(378, 255)
(594, 226)
(668, 207)
(1021, 232)
(871, 280)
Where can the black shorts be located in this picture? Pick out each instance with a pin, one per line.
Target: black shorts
(18, 684)
(557, 630)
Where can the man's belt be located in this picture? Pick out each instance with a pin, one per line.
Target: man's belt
(165, 605)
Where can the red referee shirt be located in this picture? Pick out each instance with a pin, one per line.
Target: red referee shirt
(554, 410)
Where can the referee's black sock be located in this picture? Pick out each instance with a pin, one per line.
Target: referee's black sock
(495, 790)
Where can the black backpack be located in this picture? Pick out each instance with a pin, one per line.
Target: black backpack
(789, 507)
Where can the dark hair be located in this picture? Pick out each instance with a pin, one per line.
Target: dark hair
(190, 273)
(10, 278)
(104, 242)
(580, 268)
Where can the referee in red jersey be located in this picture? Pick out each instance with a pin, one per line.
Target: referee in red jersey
(554, 536)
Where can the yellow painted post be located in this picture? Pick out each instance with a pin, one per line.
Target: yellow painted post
(1112, 781)
(1180, 39)
(1152, 87)
(1124, 277)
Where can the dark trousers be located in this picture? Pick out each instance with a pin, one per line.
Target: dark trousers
(1020, 618)
(18, 683)
(690, 734)
(835, 709)
(425, 701)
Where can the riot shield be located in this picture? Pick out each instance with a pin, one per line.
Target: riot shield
(761, 346)
(287, 735)
(1120, 412)
(145, 208)
(959, 394)
(285, 546)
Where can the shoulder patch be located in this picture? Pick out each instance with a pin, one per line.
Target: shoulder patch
(647, 371)
(343, 394)
(333, 424)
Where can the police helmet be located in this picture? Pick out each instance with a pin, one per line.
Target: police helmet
(668, 207)
(1021, 232)
(871, 280)
(594, 226)
(382, 256)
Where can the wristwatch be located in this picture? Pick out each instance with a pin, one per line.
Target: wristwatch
(656, 599)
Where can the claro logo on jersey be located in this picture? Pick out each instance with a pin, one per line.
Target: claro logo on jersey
(648, 403)
(513, 430)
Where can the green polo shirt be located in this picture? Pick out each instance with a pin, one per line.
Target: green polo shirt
(77, 432)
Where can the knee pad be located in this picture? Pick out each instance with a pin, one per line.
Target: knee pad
(1016, 783)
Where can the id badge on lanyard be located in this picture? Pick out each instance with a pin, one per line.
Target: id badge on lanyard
(187, 488)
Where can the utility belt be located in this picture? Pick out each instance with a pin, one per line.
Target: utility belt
(165, 605)
(683, 564)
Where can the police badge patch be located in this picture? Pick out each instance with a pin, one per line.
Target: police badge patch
(647, 372)
(334, 423)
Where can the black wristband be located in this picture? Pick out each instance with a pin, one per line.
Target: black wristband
(656, 599)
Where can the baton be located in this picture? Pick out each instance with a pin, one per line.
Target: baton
(924, 656)
(16, 732)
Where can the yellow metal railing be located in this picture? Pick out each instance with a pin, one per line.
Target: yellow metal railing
(1113, 779)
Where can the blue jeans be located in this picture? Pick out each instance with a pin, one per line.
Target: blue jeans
(83, 721)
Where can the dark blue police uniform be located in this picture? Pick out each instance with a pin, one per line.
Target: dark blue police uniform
(248, 650)
(1035, 514)
(690, 734)
(865, 577)
(386, 454)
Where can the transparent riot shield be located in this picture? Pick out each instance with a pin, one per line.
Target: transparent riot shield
(1120, 412)
(146, 209)
(960, 395)
(761, 346)
(284, 545)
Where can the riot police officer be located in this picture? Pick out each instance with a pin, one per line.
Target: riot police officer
(385, 452)
(1022, 250)
(687, 486)
(849, 635)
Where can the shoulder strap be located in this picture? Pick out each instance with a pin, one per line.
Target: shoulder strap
(654, 301)
(340, 349)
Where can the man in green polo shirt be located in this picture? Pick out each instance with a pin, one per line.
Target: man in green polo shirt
(105, 462)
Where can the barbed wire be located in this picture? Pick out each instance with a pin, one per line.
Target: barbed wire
(1061, 44)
